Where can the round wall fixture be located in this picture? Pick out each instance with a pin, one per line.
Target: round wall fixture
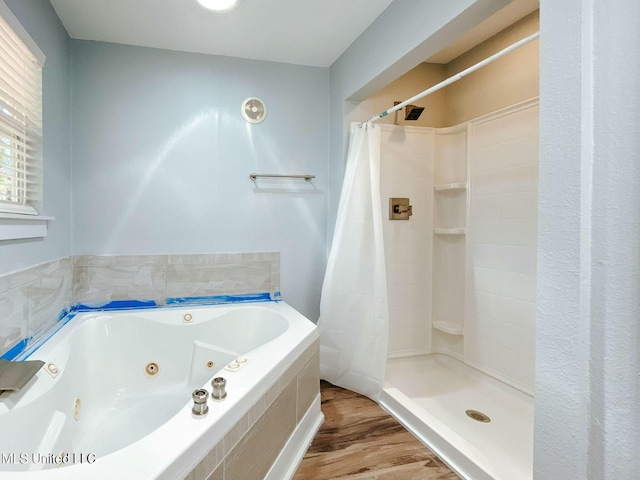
(254, 110)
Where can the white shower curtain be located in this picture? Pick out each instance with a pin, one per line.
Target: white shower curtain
(354, 317)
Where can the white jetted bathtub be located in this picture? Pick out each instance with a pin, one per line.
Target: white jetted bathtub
(114, 398)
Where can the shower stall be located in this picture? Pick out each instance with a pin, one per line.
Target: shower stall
(461, 288)
(432, 312)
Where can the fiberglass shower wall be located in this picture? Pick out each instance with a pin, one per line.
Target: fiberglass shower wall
(499, 334)
(461, 271)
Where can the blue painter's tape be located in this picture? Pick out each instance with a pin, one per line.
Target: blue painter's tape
(16, 349)
(31, 348)
(26, 344)
(114, 305)
(26, 347)
(220, 299)
(63, 314)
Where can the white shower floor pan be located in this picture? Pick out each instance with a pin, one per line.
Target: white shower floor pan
(429, 395)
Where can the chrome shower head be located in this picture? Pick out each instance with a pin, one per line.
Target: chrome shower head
(411, 112)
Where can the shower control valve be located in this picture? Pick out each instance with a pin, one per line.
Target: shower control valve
(403, 209)
(399, 209)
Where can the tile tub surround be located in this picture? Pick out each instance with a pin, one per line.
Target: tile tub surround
(32, 300)
(104, 278)
(262, 434)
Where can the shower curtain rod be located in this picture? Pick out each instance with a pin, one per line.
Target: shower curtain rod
(455, 77)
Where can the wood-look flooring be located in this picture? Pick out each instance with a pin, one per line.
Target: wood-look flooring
(360, 441)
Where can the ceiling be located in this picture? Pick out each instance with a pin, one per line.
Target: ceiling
(303, 32)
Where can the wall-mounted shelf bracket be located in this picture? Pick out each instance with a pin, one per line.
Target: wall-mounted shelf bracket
(450, 187)
(448, 327)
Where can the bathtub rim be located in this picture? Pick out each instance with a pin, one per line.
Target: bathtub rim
(26, 347)
(305, 334)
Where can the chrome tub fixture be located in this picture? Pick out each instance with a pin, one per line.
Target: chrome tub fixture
(218, 385)
(15, 375)
(200, 406)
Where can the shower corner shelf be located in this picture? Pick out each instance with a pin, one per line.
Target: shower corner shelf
(449, 187)
(449, 231)
(448, 327)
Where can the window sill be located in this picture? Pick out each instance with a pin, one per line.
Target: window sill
(16, 227)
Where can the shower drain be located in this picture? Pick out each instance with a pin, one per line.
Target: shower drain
(478, 416)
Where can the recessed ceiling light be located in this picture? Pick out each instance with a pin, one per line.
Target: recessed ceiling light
(218, 5)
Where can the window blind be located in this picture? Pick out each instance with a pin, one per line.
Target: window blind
(20, 125)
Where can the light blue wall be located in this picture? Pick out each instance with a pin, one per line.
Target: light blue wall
(162, 155)
(42, 23)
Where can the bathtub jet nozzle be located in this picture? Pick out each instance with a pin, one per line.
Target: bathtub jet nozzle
(200, 406)
(218, 385)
